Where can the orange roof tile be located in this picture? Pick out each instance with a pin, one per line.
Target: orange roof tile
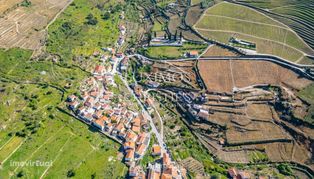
(140, 149)
(156, 150)
(129, 154)
(129, 144)
(141, 138)
(100, 122)
(136, 129)
(166, 176)
(136, 122)
(166, 159)
(104, 118)
(193, 52)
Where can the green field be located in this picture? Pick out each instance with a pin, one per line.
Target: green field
(168, 52)
(164, 3)
(33, 129)
(307, 94)
(226, 20)
(70, 35)
(32, 92)
(297, 14)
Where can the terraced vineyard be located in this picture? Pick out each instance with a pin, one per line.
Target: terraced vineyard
(226, 20)
(299, 15)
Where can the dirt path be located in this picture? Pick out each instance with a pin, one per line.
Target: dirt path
(57, 156)
(41, 146)
(13, 151)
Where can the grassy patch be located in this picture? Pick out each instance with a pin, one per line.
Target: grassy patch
(307, 94)
(167, 52)
(257, 156)
(148, 158)
(71, 35)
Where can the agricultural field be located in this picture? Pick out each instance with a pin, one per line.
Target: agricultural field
(296, 14)
(25, 25)
(215, 51)
(173, 74)
(168, 52)
(164, 3)
(35, 128)
(226, 20)
(224, 75)
(184, 146)
(307, 94)
(65, 142)
(6, 5)
(79, 32)
(194, 2)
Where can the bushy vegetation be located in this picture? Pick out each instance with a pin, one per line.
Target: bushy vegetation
(26, 3)
(182, 143)
(257, 156)
(285, 169)
(167, 52)
(84, 27)
(307, 94)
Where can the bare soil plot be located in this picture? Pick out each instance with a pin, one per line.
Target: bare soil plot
(259, 111)
(256, 132)
(25, 26)
(216, 75)
(176, 73)
(8, 4)
(223, 75)
(279, 152)
(215, 50)
(193, 15)
(193, 165)
(240, 156)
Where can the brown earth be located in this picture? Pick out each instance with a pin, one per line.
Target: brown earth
(8, 4)
(223, 75)
(215, 50)
(25, 26)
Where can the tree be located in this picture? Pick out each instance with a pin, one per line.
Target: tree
(149, 38)
(20, 174)
(26, 3)
(70, 173)
(175, 35)
(106, 16)
(91, 20)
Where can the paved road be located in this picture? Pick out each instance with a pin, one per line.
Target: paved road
(147, 115)
(299, 67)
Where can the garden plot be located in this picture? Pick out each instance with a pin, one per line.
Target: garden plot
(255, 133)
(224, 75)
(6, 5)
(24, 27)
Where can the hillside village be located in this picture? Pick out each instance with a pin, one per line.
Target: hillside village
(109, 112)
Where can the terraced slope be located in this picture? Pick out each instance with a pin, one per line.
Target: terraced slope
(226, 20)
(299, 15)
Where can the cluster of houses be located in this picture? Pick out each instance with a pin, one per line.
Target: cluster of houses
(165, 169)
(233, 173)
(95, 107)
